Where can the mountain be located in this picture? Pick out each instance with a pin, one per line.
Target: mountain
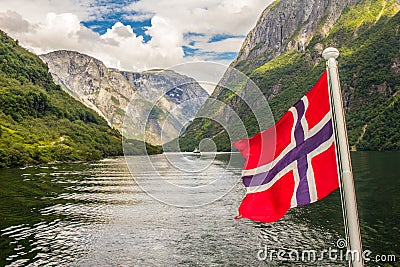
(282, 56)
(39, 122)
(287, 25)
(166, 98)
(104, 90)
(181, 95)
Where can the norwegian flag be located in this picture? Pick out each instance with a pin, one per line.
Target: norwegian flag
(293, 163)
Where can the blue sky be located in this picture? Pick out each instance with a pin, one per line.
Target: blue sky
(134, 35)
(101, 24)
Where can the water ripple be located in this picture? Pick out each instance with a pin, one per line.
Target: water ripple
(94, 214)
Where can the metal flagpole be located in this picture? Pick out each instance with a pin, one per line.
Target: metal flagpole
(349, 194)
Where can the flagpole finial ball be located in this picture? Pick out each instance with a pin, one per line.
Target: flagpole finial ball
(330, 52)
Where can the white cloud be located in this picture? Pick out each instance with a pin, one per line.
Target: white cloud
(36, 10)
(223, 46)
(47, 25)
(133, 53)
(137, 17)
(14, 22)
(207, 16)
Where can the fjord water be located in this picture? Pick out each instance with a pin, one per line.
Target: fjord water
(95, 214)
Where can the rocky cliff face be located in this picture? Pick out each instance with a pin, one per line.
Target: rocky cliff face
(110, 93)
(89, 80)
(41, 123)
(287, 25)
(282, 56)
(181, 95)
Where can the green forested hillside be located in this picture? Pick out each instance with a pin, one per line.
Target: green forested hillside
(39, 122)
(368, 38)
